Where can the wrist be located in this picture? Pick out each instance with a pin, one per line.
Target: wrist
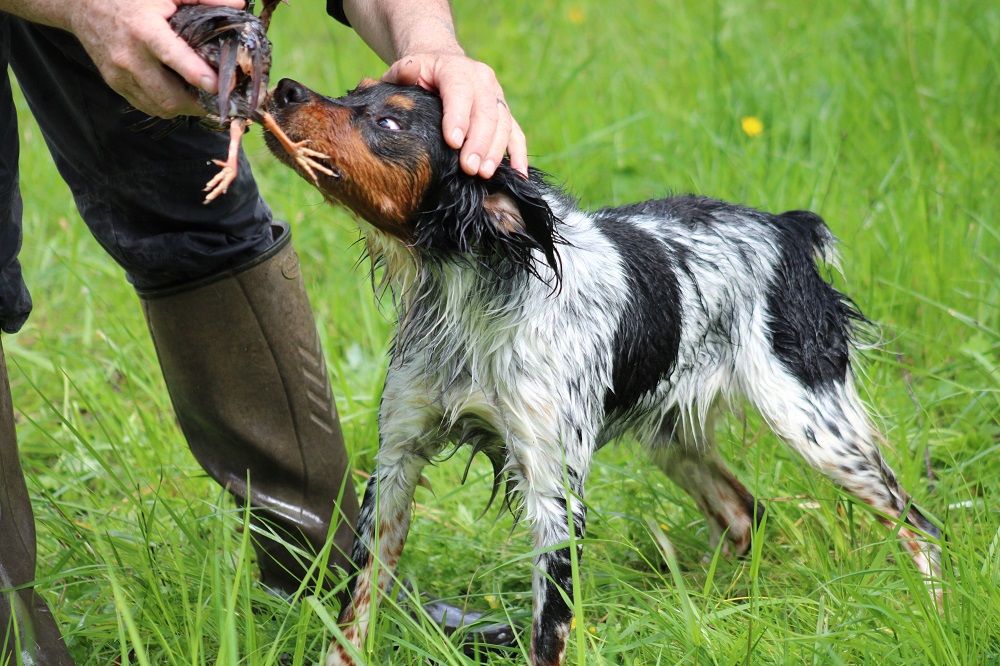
(54, 13)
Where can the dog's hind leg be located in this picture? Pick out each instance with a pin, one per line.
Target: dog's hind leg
(689, 457)
(829, 427)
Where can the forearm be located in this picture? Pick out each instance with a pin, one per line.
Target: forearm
(55, 13)
(394, 28)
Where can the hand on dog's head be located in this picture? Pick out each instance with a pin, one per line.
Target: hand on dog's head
(392, 167)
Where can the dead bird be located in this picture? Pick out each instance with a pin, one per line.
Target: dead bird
(234, 42)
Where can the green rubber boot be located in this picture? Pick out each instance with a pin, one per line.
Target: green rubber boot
(245, 372)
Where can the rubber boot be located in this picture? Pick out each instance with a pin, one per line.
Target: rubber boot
(28, 632)
(245, 372)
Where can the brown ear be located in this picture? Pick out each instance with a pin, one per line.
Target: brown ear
(504, 213)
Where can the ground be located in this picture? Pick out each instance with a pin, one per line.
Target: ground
(882, 117)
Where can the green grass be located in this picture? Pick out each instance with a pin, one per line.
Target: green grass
(881, 116)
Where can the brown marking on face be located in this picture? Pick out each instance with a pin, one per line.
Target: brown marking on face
(401, 102)
(384, 193)
(366, 82)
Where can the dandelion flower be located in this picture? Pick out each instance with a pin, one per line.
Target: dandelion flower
(576, 15)
(752, 126)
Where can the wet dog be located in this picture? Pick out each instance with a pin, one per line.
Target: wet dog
(537, 332)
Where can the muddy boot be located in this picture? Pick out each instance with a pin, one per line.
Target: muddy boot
(245, 372)
(28, 633)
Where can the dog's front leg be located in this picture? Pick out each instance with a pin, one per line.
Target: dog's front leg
(553, 502)
(383, 523)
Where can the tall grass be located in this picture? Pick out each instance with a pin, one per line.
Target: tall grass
(881, 116)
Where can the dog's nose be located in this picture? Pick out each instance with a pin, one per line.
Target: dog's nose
(290, 92)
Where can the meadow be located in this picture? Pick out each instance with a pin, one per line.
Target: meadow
(884, 117)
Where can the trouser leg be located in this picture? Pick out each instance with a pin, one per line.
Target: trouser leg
(15, 303)
(28, 632)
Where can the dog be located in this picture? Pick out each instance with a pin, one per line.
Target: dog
(537, 332)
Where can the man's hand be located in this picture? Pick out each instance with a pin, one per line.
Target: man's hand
(140, 56)
(476, 116)
(418, 37)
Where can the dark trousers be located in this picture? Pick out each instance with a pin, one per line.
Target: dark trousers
(138, 189)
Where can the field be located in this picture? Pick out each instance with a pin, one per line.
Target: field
(880, 116)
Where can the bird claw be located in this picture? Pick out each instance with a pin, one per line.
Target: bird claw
(220, 183)
(304, 158)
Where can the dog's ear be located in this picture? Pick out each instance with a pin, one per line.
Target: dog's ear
(505, 218)
(517, 210)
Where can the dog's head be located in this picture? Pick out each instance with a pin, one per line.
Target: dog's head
(391, 166)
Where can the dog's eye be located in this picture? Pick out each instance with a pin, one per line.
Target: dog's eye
(389, 124)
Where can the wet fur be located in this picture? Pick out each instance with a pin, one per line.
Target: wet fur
(537, 332)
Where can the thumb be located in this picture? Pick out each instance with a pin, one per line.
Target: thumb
(176, 54)
(406, 72)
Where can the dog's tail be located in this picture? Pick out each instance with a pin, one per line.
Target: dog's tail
(806, 240)
(811, 228)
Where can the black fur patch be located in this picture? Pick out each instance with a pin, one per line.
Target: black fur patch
(808, 320)
(555, 612)
(453, 223)
(649, 333)
(691, 209)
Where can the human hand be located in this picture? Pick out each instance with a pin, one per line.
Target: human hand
(476, 116)
(140, 56)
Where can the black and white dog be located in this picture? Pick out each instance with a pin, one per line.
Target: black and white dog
(538, 332)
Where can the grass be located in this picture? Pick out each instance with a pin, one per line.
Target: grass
(881, 116)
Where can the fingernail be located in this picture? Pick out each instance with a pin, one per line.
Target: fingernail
(473, 162)
(489, 166)
(207, 83)
(457, 136)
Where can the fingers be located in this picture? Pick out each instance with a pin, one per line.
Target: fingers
(498, 144)
(156, 91)
(517, 148)
(457, 102)
(176, 54)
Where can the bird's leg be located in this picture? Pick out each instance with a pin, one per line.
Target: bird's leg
(267, 11)
(297, 149)
(230, 167)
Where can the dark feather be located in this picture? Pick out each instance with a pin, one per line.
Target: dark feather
(235, 44)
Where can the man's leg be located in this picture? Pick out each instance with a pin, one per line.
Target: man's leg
(28, 634)
(221, 292)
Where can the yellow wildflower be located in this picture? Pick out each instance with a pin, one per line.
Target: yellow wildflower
(576, 15)
(752, 126)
